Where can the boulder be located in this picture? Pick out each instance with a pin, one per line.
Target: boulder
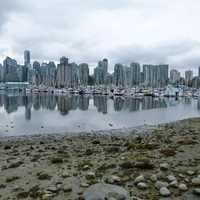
(101, 191)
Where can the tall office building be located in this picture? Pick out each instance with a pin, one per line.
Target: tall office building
(10, 70)
(83, 74)
(174, 76)
(101, 72)
(188, 77)
(61, 72)
(155, 75)
(135, 74)
(27, 58)
(119, 75)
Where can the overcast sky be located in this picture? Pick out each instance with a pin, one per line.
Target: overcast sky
(145, 31)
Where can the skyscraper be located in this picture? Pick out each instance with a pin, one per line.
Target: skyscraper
(83, 74)
(188, 77)
(119, 75)
(27, 58)
(10, 70)
(174, 76)
(135, 74)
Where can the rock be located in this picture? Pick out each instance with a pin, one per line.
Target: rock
(65, 175)
(127, 165)
(196, 191)
(114, 179)
(56, 160)
(67, 189)
(142, 185)
(171, 178)
(190, 172)
(160, 184)
(174, 184)
(84, 185)
(164, 192)
(144, 164)
(90, 175)
(22, 195)
(15, 164)
(154, 178)
(164, 166)
(43, 176)
(102, 191)
(183, 187)
(53, 189)
(139, 179)
(196, 181)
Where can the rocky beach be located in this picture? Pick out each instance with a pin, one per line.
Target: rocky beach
(157, 163)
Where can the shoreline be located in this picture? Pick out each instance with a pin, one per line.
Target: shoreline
(65, 166)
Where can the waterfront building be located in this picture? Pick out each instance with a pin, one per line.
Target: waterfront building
(163, 75)
(51, 74)
(100, 72)
(188, 77)
(127, 73)
(196, 82)
(155, 75)
(61, 72)
(175, 76)
(135, 74)
(119, 75)
(83, 74)
(199, 71)
(37, 73)
(10, 70)
(1, 73)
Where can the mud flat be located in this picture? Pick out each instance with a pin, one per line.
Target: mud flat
(161, 162)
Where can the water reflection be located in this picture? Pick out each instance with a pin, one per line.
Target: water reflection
(64, 104)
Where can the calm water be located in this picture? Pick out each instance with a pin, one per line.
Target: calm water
(35, 114)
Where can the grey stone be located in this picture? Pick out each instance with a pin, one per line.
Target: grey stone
(196, 191)
(183, 187)
(196, 181)
(100, 191)
(164, 192)
(160, 184)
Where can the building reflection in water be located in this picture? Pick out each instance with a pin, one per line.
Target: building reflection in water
(64, 104)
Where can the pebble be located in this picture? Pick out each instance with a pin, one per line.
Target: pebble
(183, 187)
(67, 189)
(174, 184)
(164, 166)
(160, 184)
(190, 172)
(164, 192)
(171, 178)
(142, 185)
(139, 179)
(196, 191)
(90, 175)
(154, 178)
(196, 181)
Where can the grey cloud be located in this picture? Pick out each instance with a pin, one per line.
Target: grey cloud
(6, 8)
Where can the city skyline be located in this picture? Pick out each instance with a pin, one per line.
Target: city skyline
(152, 31)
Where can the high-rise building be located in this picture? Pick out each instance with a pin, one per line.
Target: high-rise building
(188, 77)
(135, 74)
(119, 75)
(101, 72)
(174, 76)
(10, 70)
(61, 72)
(163, 75)
(127, 73)
(155, 75)
(83, 74)
(27, 58)
(199, 71)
